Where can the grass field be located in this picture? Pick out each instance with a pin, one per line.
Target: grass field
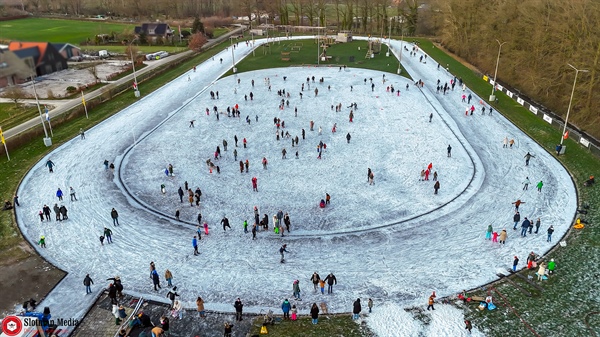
(304, 52)
(11, 116)
(54, 30)
(569, 295)
(329, 325)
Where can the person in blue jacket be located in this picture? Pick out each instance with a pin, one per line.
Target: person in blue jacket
(524, 227)
(285, 307)
(59, 194)
(195, 245)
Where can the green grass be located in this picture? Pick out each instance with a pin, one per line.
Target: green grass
(304, 52)
(55, 30)
(569, 294)
(329, 325)
(219, 31)
(11, 116)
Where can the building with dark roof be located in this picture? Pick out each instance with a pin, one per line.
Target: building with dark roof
(155, 30)
(42, 56)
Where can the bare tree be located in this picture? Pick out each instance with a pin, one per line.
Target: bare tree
(196, 41)
(15, 93)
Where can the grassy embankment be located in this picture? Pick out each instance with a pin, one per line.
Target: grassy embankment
(560, 309)
(304, 52)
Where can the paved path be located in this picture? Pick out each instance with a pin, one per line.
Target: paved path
(63, 106)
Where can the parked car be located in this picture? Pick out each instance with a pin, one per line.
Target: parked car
(77, 58)
(103, 53)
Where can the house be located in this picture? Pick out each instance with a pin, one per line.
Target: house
(42, 56)
(155, 30)
(13, 70)
(68, 50)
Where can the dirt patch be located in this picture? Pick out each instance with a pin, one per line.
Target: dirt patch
(30, 277)
(81, 75)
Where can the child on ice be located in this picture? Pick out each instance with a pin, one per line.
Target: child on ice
(294, 312)
(488, 233)
(322, 286)
(495, 237)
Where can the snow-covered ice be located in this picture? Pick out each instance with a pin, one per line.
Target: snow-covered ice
(394, 241)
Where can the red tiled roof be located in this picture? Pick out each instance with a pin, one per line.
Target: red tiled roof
(17, 45)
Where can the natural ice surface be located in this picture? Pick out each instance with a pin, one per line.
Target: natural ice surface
(444, 250)
(386, 137)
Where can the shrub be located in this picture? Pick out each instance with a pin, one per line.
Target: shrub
(71, 89)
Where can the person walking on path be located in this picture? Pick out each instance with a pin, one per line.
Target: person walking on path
(331, 280)
(238, 305)
(550, 231)
(356, 309)
(195, 245)
(314, 313)
(527, 157)
(515, 263)
(539, 186)
(449, 151)
(87, 282)
(115, 217)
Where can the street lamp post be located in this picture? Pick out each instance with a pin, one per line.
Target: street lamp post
(47, 140)
(318, 42)
(401, 46)
(492, 96)
(232, 55)
(570, 101)
(136, 90)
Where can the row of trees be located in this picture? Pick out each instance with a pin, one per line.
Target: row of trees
(541, 37)
(365, 16)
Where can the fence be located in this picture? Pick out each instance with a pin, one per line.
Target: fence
(550, 117)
